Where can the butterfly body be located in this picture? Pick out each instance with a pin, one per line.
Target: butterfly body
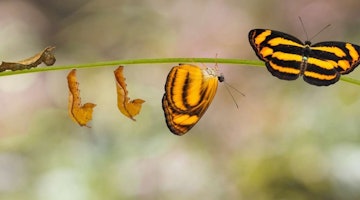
(189, 91)
(286, 57)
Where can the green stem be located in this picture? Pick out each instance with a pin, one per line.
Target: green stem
(350, 80)
(136, 61)
(256, 63)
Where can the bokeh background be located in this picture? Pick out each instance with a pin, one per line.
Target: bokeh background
(287, 140)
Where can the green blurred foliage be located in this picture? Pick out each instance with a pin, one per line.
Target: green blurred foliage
(287, 140)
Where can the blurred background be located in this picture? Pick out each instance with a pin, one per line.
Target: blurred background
(287, 140)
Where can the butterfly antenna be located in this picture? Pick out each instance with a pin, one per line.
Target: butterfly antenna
(307, 36)
(232, 87)
(232, 96)
(227, 86)
(303, 28)
(325, 27)
(216, 63)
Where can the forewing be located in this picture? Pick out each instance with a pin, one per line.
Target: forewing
(281, 52)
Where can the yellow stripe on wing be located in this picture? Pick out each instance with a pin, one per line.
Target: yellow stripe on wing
(262, 37)
(320, 76)
(333, 49)
(281, 41)
(352, 51)
(284, 69)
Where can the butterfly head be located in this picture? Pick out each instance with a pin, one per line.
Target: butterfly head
(221, 78)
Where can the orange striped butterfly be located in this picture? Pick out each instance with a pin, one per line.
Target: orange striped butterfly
(287, 58)
(189, 91)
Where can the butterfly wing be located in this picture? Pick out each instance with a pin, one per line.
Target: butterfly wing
(189, 91)
(281, 52)
(344, 56)
(328, 60)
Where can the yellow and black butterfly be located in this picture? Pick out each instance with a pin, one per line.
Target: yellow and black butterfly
(189, 91)
(286, 57)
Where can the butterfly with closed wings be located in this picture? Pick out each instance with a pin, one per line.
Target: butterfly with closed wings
(189, 91)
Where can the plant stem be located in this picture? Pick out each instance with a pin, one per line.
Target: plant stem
(137, 61)
(256, 63)
(350, 80)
